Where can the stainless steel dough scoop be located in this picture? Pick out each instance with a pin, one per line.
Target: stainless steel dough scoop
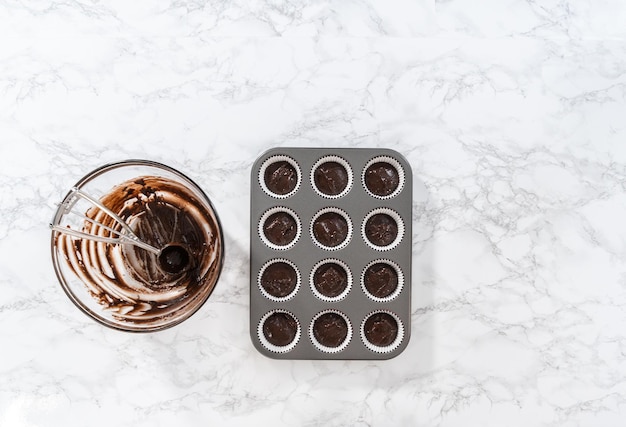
(125, 236)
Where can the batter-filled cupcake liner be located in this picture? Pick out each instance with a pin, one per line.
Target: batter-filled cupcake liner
(394, 294)
(341, 295)
(399, 224)
(396, 165)
(386, 348)
(291, 294)
(342, 162)
(271, 212)
(327, 349)
(275, 159)
(349, 230)
(276, 348)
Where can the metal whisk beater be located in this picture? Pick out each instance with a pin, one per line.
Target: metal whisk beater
(124, 236)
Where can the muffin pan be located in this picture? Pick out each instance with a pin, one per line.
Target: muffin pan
(330, 253)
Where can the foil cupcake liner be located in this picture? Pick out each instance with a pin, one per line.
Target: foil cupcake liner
(393, 162)
(324, 348)
(399, 222)
(274, 348)
(269, 213)
(398, 289)
(286, 297)
(380, 349)
(275, 159)
(342, 162)
(323, 297)
(348, 221)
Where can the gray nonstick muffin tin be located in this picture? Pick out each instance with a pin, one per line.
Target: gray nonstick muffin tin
(300, 251)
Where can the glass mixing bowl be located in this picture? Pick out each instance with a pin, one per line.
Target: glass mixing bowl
(146, 286)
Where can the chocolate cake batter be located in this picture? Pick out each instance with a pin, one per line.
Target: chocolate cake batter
(281, 177)
(330, 329)
(279, 279)
(330, 229)
(382, 179)
(280, 329)
(330, 279)
(331, 178)
(280, 228)
(381, 229)
(380, 280)
(381, 329)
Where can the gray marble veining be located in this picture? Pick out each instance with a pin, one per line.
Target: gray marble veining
(511, 114)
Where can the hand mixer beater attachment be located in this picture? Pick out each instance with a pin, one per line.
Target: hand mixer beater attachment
(124, 236)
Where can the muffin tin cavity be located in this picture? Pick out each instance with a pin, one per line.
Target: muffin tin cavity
(279, 228)
(382, 331)
(331, 228)
(331, 177)
(308, 221)
(280, 176)
(330, 331)
(383, 177)
(382, 280)
(331, 280)
(279, 279)
(383, 229)
(279, 331)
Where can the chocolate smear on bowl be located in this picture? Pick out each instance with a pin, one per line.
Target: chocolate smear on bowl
(131, 283)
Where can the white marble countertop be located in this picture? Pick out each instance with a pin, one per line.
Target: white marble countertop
(512, 114)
